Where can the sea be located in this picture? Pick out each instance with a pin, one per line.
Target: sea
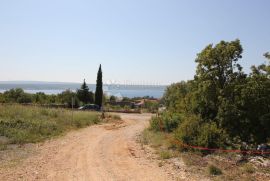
(118, 90)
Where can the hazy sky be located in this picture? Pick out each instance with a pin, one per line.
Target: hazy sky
(136, 41)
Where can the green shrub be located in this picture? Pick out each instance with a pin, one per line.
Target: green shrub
(249, 168)
(211, 136)
(151, 106)
(171, 122)
(188, 130)
(193, 131)
(165, 155)
(213, 170)
(16, 96)
(155, 124)
(166, 122)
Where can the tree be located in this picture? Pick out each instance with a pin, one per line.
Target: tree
(217, 72)
(222, 106)
(99, 88)
(66, 98)
(17, 96)
(219, 63)
(41, 98)
(84, 95)
(174, 96)
(263, 69)
(255, 103)
(267, 55)
(112, 99)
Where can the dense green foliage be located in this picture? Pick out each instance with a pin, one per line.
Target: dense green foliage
(151, 106)
(16, 95)
(194, 131)
(167, 123)
(81, 97)
(63, 99)
(66, 98)
(99, 88)
(222, 106)
(25, 124)
(84, 95)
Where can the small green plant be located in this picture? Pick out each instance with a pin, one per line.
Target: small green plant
(165, 155)
(166, 122)
(249, 168)
(213, 170)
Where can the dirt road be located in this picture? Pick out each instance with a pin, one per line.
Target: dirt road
(101, 152)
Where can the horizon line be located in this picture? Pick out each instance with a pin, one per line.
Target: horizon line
(60, 82)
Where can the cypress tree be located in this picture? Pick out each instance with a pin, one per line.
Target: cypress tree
(99, 88)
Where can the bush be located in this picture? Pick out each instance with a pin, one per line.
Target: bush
(66, 98)
(151, 106)
(155, 123)
(249, 168)
(16, 96)
(165, 155)
(211, 136)
(188, 130)
(213, 170)
(166, 122)
(193, 131)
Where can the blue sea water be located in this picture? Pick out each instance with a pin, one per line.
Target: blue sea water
(116, 90)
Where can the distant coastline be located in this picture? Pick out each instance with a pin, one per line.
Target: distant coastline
(58, 87)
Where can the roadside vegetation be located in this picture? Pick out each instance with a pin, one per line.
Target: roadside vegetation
(63, 100)
(66, 99)
(216, 166)
(221, 108)
(27, 124)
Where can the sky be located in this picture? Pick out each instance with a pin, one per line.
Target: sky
(136, 41)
